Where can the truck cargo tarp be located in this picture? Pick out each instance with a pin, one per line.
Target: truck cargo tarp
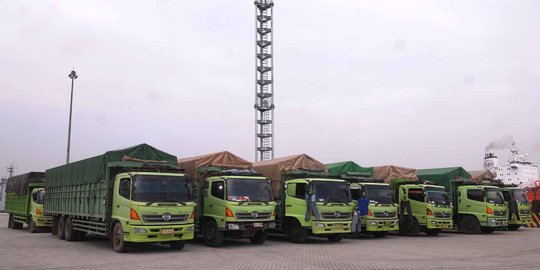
(443, 176)
(19, 184)
(275, 167)
(94, 169)
(481, 175)
(389, 172)
(223, 159)
(339, 168)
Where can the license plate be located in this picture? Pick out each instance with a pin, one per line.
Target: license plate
(257, 225)
(338, 225)
(167, 231)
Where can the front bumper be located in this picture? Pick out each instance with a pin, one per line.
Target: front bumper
(495, 222)
(381, 225)
(439, 223)
(161, 233)
(257, 225)
(42, 221)
(521, 221)
(331, 227)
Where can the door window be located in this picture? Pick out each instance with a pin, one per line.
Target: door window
(218, 190)
(416, 194)
(475, 195)
(124, 188)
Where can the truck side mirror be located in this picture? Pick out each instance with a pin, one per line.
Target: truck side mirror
(205, 193)
(311, 190)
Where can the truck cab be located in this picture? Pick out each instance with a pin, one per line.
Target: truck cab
(382, 210)
(36, 217)
(479, 208)
(317, 206)
(234, 206)
(423, 207)
(518, 207)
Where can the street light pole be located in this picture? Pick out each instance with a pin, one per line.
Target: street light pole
(72, 76)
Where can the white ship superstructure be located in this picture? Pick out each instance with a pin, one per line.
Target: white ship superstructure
(517, 170)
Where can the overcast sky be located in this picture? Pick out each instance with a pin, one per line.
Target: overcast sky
(413, 83)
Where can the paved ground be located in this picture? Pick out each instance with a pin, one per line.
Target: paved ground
(501, 250)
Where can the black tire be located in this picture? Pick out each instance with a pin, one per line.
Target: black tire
(10, 222)
(487, 229)
(70, 234)
(433, 232)
(32, 226)
(17, 225)
(258, 238)
(335, 237)
(54, 228)
(117, 239)
(469, 225)
(409, 228)
(177, 244)
(513, 227)
(212, 235)
(379, 234)
(296, 233)
(60, 228)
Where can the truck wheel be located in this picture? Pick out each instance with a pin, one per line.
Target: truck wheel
(469, 224)
(335, 237)
(69, 233)
(31, 226)
(259, 237)
(60, 228)
(16, 225)
(296, 233)
(487, 229)
(10, 221)
(117, 239)
(379, 234)
(513, 227)
(409, 228)
(177, 244)
(433, 232)
(212, 235)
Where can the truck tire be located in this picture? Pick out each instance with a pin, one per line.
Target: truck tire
(409, 228)
(117, 239)
(379, 234)
(177, 244)
(513, 227)
(10, 222)
(433, 232)
(31, 226)
(335, 237)
(469, 224)
(70, 234)
(16, 225)
(60, 228)
(259, 237)
(212, 235)
(296, 233)
(487, 229)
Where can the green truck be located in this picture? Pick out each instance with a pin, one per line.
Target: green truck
(476, 208)
(308, 200)
(379, 214)
(518, 207)
(132, 195)
(232, 200)
(24, 202)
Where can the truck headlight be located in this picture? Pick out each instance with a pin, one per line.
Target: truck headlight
(189, 229)
(139, 230)
(372, 223)
(320, 225)
(233, 226)
(271, 225)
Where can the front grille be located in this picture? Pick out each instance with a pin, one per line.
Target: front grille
(524, 212)
(165, 218)
(335, 215)
(384, 214)
(499, 213)
(442, 215)
(253, 215)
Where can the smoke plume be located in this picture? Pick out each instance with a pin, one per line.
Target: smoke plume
(501, 143)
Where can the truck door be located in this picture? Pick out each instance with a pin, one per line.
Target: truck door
(418, 205)
(295, 201)
(213, 203)
(474, 203)
(122, 200)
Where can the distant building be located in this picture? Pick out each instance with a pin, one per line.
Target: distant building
(3, 183)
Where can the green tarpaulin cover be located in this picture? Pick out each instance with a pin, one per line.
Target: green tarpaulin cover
(19, 184)
(443, 176)
(94, 169)
(339, 168)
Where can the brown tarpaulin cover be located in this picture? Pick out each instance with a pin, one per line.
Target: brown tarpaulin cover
(389, 172)
(223, 159)
(273, 168)
(481, 175)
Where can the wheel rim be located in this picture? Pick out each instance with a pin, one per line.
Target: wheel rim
(211, 232)
(295, 231)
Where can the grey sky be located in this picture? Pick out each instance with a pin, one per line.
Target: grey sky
(418, 84)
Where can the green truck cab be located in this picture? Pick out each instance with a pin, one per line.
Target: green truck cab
(518, 207)
(307, 202)
(133, 195)
(476, 208)
(232, 200)
(380, 215)
(24, 202)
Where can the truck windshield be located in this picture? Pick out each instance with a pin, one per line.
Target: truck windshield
(494, 195)
(519, 195)
(437, 196)
(380, 194)
(158, 188)
(251, 190)
(331, 192)
(39, 196)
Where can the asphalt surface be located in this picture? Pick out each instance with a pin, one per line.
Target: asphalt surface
(20, 249)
